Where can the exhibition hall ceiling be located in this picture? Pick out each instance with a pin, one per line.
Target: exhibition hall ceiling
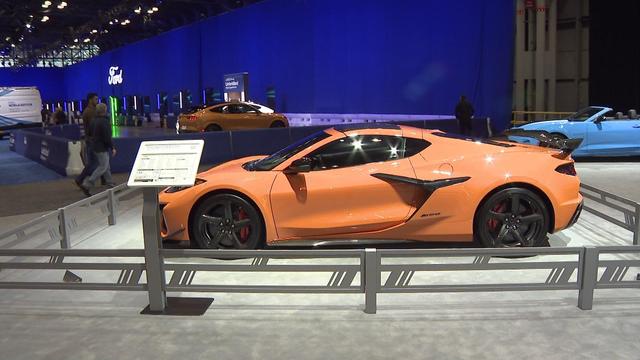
(32, 29)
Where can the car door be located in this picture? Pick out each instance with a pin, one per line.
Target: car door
(251, 118)
(614, 137)
(339, 195)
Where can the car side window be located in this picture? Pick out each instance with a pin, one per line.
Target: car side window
(218, 109)
(247, 109)
(234, 109)
(363, 149)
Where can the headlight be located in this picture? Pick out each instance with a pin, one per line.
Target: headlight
(174, 189)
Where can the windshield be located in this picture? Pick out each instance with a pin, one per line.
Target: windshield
(584, 114)
(278, 157)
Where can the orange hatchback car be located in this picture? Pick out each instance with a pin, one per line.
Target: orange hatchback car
(230, 116)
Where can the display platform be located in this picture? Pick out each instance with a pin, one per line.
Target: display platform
(57, 320)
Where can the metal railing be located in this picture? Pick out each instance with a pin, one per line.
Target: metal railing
(62, 224)
(629, 209)
(519, 117)
(578, 272)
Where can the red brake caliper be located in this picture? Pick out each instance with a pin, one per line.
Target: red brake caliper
(244, 232)
(493, 223)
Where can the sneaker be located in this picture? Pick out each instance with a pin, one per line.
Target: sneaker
(85, 190)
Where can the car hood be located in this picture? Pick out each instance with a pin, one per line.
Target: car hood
(542, 124)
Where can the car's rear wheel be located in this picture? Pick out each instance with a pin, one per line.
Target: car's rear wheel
(226, 221)
(277, 124)
(512, 217)
(213, 127)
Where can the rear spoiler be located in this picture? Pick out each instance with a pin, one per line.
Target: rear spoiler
(545, 139)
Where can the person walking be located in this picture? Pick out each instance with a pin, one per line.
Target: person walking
(464, 113)
(101, 144)
(89, 161)
(60, 117)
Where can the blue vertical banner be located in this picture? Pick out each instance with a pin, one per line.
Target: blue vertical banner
(236, 86)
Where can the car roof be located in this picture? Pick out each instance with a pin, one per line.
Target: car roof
(366, 126)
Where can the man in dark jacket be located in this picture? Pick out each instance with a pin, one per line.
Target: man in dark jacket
(60, 117)
(100, 140)
(89, 161)
(464, 113)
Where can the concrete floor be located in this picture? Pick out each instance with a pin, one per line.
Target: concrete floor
(97, 325)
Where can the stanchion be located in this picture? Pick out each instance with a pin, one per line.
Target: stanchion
(152, 245)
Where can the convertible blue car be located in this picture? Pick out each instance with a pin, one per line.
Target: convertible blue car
(604, 131)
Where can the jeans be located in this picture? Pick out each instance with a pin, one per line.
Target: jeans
(103, 168)
(90, 163)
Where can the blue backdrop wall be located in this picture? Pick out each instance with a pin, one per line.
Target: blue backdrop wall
(357, 56)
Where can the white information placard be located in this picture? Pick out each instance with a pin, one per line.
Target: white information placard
(166, 163)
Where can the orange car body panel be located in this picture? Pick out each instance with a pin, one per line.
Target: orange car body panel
(210, 116)
(349, 203)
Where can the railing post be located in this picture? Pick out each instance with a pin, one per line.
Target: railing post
(636, 229)
(111, 206)
(154, 263)
(588, 277)
(371, 280)
(65, 232)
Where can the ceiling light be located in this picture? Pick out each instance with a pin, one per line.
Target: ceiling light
(75, 40)
(154, 8)
(87, 40)
(105, 31)
(94, 31)
(46, 4)
(138, 10)
(149, 11)
(28, 26)
(110, 22)
(7, 38)
(45, 18)
(13, 45)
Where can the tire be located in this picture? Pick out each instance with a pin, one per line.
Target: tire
(558, 136)
(226, 221)
(213, 127)
(277, 124)
(496, 224)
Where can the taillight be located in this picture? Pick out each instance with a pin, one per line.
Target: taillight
(567, 169)
(192, 117)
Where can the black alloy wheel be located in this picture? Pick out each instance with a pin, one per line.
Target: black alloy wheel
(226, 221)
(512, 217)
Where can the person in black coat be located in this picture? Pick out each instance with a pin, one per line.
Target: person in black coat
(464, 113)
(60, 117)
(100, 138)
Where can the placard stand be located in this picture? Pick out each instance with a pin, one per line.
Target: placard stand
(160, 164)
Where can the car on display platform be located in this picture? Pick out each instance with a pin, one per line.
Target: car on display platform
(378, 182)
(233, 115)
(604, 131)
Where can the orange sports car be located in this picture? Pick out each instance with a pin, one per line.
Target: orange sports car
(229, 116)
(380, 182)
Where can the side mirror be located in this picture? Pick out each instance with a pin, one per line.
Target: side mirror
(299, 166)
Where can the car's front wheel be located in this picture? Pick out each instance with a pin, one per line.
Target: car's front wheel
(512, 217)
(226, 221)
